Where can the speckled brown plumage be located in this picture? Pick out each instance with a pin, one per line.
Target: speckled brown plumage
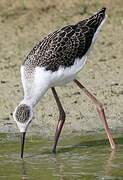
(63, 46)
(22, 113)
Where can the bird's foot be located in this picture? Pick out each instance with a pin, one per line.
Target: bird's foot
(54, 150)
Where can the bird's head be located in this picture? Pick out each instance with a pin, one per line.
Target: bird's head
(23, 116)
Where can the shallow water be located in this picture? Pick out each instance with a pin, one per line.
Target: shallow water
(78, 157)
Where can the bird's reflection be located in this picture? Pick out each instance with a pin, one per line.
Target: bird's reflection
(24, 171)
(59, 168)
(109, 163)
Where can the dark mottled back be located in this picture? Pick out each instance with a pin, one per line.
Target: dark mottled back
(63, 46)
(22, 113)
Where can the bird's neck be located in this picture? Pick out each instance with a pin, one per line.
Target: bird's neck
(28, 102)
(32, 99)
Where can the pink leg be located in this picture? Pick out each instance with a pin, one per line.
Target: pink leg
(101, 112)
(60, 121)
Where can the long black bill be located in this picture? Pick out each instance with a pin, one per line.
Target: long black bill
(22, 143)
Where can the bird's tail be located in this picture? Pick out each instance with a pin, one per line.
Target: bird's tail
(95, 20)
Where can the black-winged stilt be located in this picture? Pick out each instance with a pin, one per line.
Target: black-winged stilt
(55, 61)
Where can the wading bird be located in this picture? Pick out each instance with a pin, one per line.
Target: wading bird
(55, 61)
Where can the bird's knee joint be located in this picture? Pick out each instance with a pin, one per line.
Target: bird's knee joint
(100, 107)
(62, 115)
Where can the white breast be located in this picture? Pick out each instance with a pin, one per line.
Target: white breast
(36, 84)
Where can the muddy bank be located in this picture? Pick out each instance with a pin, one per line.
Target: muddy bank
(22, 25)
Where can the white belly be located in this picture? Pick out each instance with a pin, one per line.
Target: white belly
(63, 75)
(68, 74)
